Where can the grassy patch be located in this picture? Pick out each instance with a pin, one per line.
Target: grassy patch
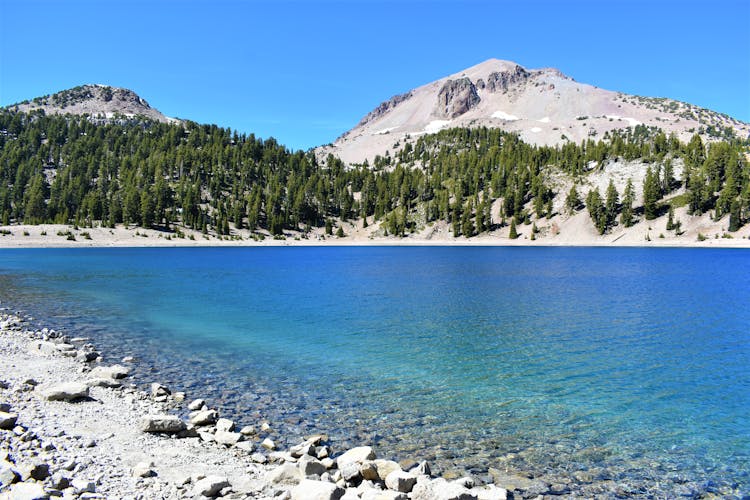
(681, 200)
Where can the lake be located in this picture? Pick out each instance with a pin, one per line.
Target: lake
(607, 368)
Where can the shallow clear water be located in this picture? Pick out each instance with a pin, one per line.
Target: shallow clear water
(630, 364)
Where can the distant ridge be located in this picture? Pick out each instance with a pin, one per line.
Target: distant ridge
(99, 101)
(543, 106)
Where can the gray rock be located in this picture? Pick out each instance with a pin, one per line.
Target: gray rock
(114, 371)
(45, 347)
(316, 490)
(204, 417)
(456, 97)
(159, 390)
(399, 480)
(302, 449)
(228, 438)
(374, 494)
(38, 471)
(7, 420)
(179, 396)
(259, 458)
(87, 356)
(350, 472)
(440, 489)
(83, 486)
(490, 492)
(248, 430)
(189, 432)
(356, 455)
(5, 407)
(103, 382)
(310, 466)
(206, 436)
(210, 486)
(144, 469)
(466, 482)
(510, 481)
(128, 359)
(385, 467)
(28, 491)
(245, 446)
(268, 444)
(224, 424)
(284, 475)
(8, 475)
(68, 391)
(59, 482)
(422, 469)
(196, 404)
(369, 471)
(162, 423)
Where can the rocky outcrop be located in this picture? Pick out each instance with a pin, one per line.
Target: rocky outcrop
(502, 81)
(456, 97)
(384, 108)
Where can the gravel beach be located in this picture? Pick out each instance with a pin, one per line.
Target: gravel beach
(71, 427)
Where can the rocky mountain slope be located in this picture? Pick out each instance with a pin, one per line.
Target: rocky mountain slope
(99, 101)
(542, 105)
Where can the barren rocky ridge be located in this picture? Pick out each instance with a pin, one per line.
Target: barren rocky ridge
(98, 101)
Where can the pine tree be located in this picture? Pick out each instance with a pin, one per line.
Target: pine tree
(611, 203)
(735, 219)
(628, 198)
(651, 195)
(596, 210)
(573, 200)
(513, 234)
(670, 218)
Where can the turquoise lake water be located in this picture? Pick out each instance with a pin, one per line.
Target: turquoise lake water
(610, 368)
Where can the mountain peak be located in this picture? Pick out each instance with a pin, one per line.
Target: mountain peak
(543, 106)
(97, 100)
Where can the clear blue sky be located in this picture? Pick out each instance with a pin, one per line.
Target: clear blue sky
(304, 72)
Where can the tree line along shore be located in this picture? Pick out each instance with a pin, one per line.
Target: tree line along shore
(214, 181)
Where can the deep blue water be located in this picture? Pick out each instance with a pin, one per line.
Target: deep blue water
(630, 364)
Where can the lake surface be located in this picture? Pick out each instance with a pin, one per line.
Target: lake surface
(606, 368)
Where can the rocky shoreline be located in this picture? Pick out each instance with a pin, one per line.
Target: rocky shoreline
(71, 427)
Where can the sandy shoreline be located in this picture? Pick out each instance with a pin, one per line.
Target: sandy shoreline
(57, 236)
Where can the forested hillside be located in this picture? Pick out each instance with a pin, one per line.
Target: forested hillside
(66, 169)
